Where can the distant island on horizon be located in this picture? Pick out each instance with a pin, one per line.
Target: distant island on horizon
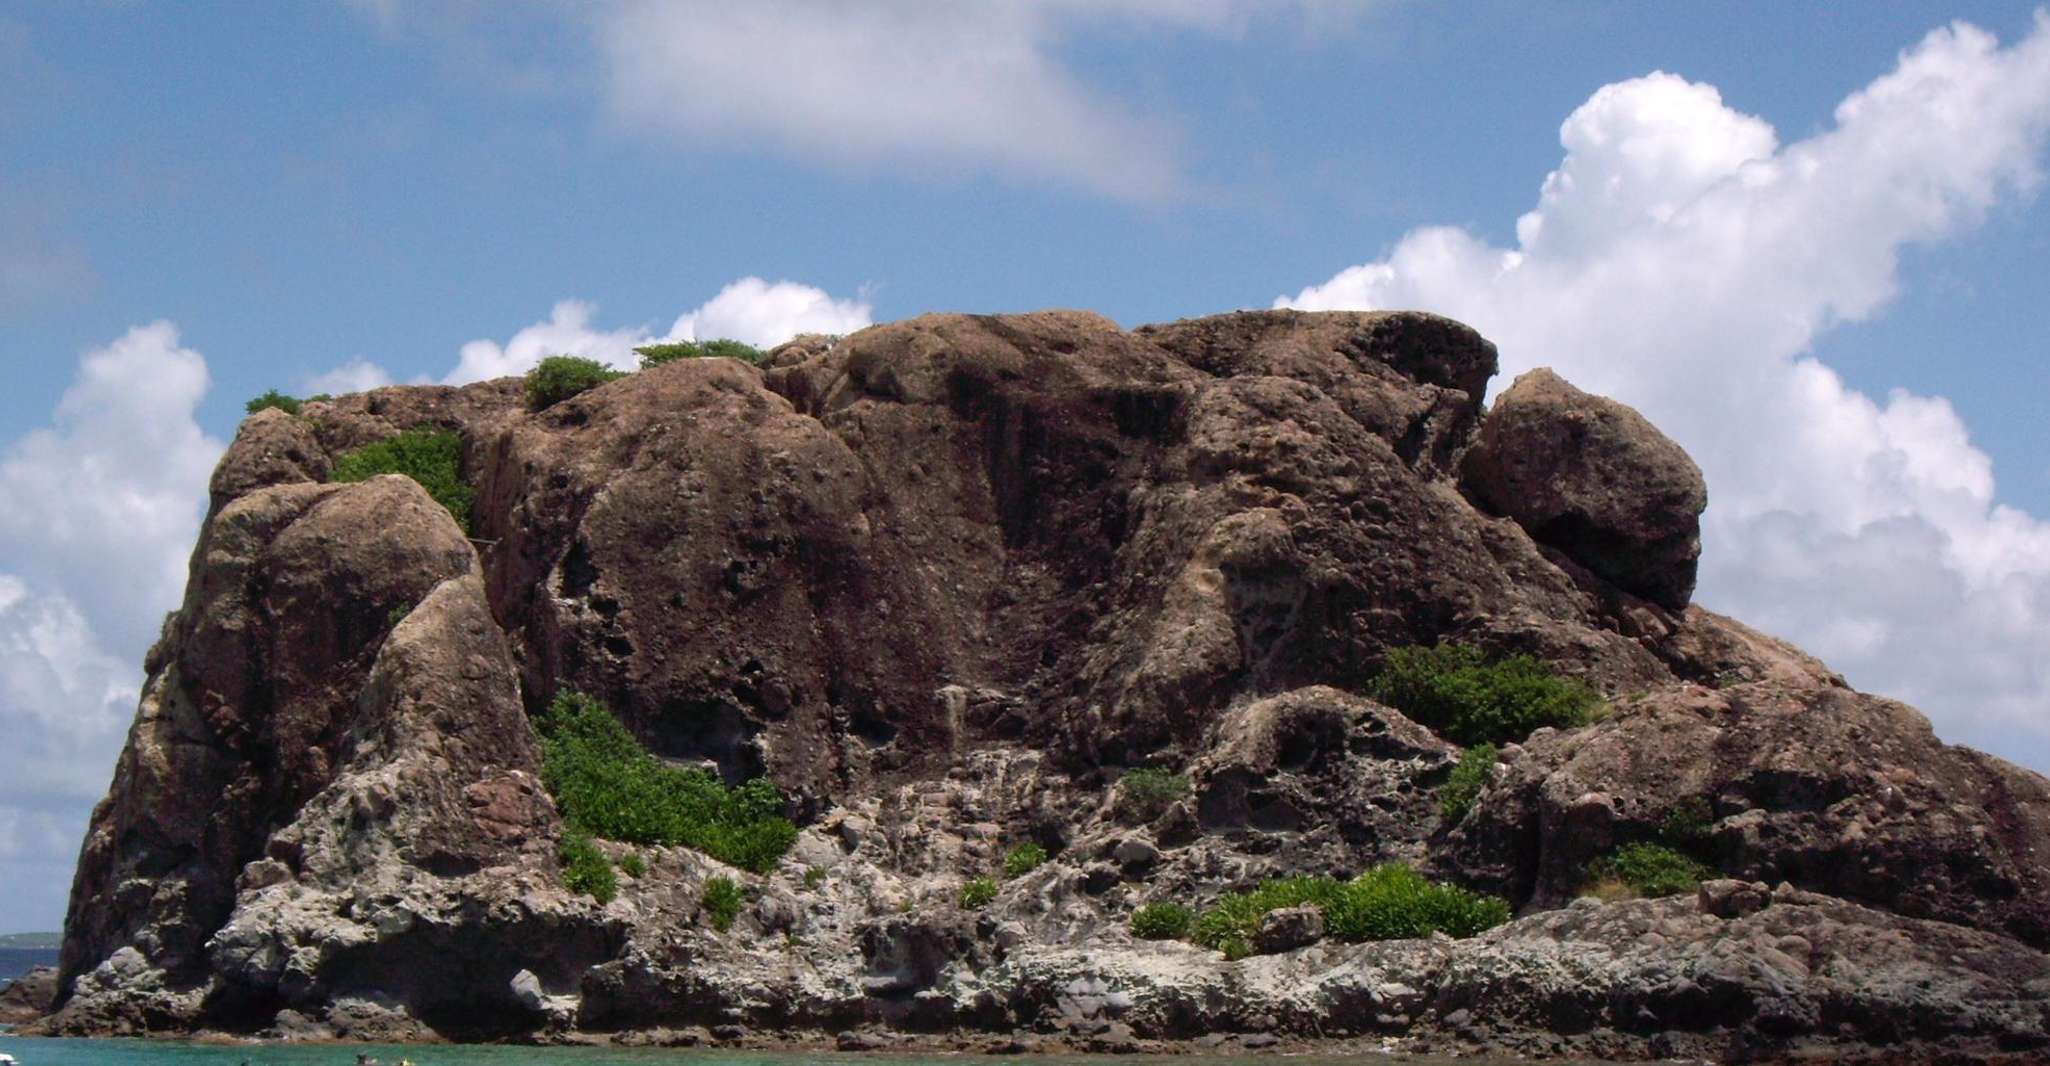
(34, 941)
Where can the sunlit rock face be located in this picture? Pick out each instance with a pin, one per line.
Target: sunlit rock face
(942, 581)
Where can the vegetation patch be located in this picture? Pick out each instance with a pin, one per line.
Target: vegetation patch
(1468, 778)
(273, 398)
(431, 457)
(632, 865)
(1147, 793)
(1456, 691)
(559, 377)
(814, 876)
(584, 868)
(722, 901)
(1648, 870)
(978, 893)
(607, 785)
(653, 355)
(1023, 859)
(1390, 902)
(1162, 921)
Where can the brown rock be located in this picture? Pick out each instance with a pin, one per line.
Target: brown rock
(943, 581)
(1289, 928)
(29, 996)
(1804, 781)
(1592, 478)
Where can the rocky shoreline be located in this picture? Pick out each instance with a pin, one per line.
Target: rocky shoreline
(945, 584)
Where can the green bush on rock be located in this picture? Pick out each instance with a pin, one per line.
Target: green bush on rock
(978, 893)
(1390, 902)
(432, 457)
(1454, 690)
(559, 377)
(1146, 793)
(1649, 870)
(653, 355)
(1023, 859)
(722, 901)
(584, 868)
(273, 398)
(609, 786)
(1468, 778)
(1162, 921)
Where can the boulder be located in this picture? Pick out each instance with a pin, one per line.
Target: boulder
(1289, 928)
(1590, 477)
(29, 996)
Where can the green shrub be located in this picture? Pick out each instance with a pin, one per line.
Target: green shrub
(1687, 825)
(1023, 859)
(632, 865)
(432, 457)
(722, 902)
(1389, 902)
(653, 355)
(1162, 921)
(978, 893)
(814, 876)
(1467, 780)
(1454, 690)
(1229, 924)
(273, 398)
(319, 397)
(1394, 902)
(584, 868)
(1146, 793)
(1650, 870)
(560, 377)
(608, 785)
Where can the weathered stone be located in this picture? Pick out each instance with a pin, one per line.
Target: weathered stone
(1592, 478)
(1288, 929)
(29, 996)
(944, 581)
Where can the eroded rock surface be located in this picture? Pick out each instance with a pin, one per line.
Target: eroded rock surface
(1592, 478)
(29, 996)
(944, 581)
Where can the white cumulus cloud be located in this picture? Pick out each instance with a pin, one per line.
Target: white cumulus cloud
(356, 375)
(98, 511)
(1683, 260)
(761, 313)
(567, 331)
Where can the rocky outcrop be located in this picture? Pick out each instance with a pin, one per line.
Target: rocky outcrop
(944, 581)
(29, 996)
(1592, 478)
(1801, 781)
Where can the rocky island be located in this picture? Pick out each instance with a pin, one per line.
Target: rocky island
(1232, 683)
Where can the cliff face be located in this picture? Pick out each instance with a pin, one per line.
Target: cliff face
(941, 581)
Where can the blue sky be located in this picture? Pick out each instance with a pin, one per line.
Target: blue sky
(300, 187)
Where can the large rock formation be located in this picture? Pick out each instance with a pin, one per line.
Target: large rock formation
(942, 581)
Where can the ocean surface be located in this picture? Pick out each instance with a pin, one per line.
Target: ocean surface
(17, 961)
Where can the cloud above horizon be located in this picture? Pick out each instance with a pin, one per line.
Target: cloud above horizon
(98, 511)
(907, 84)
(1683, 260)
(757, 312)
